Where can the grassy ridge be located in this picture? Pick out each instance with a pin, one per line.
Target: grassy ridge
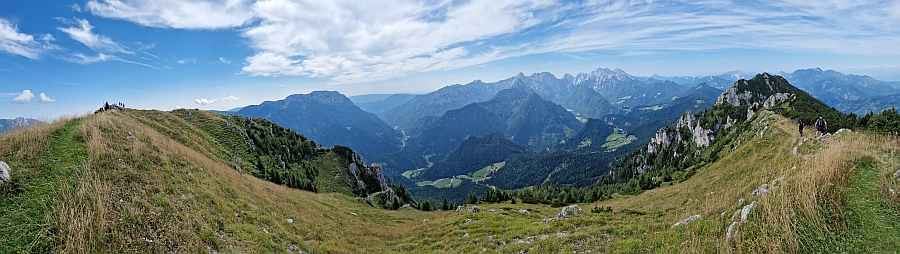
(44, 162)
(138, 188)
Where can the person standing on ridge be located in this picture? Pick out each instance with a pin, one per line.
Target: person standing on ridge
(801, 126)
(821, 125)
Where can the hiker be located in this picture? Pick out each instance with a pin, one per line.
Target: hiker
(821, 125)
(801, 127)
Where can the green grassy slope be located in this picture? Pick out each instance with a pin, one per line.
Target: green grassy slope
(125, 183)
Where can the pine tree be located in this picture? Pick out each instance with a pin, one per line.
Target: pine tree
(445, 205)
(426, 206)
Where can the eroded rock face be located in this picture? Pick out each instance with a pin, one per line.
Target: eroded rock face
(731, 96)
(663, 138)
(702, 137)
(775, 99)
(4, 172)
(359, 170)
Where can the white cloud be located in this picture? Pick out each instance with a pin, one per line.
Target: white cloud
(204, 102)
(224, 60)
(82, 33)
(46, 100)
(13, 42)
(352, 41)
(231, 98)
(214, 14)
(25, 97)
(76, 8)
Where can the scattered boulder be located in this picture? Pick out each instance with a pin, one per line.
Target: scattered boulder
(474, 209)
(546, 220)
(4, 172)
(762, 189)
(897, 174)
(731, 230)
(492, 211)
(776, 181)
(468, 221)
(460, 208)
(293, 248)
(842, 130)
(689, 219)
(568, 211)
(239, 169)
(746, 211)
(290, 221)
(525, 212)
(425, 220)
(354, 214)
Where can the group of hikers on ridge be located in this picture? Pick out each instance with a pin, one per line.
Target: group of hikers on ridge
(820, 126)
(106, 106)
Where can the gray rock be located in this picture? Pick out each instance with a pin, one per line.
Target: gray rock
(354, 214)
(294, 248)
(460, 208)
(897, 174)
(474, 209)
(468, 221)
(746, 211)
(239, 169)
(525, 212)
(290, 221)
(689, 219)
(4, 172)
(762, 189)
(842, 130)
(547, 220)
(569, 211)
(239, 160)
(492, 211)
(731, 230)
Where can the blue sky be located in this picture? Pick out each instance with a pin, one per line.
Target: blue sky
(68, 57)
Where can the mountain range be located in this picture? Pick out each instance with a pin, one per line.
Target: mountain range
(618, 88)
(330, 119)
(7, 125)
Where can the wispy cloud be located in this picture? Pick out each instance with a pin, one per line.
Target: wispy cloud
(224, 60)
(85, 59)
(231, 98)
(351, 42)
(25, 97)
(16, 43)
(83, 34)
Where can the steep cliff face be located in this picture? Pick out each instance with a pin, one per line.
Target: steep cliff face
(363, 176)
(698, 137)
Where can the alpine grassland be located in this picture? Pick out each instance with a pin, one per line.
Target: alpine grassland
(154, 182)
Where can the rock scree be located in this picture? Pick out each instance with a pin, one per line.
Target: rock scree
(4, 172)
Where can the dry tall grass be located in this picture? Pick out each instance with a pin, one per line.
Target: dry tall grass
(144, 192)
(811, 202)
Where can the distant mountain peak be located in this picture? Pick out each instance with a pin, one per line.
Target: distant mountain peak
(324, 97)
